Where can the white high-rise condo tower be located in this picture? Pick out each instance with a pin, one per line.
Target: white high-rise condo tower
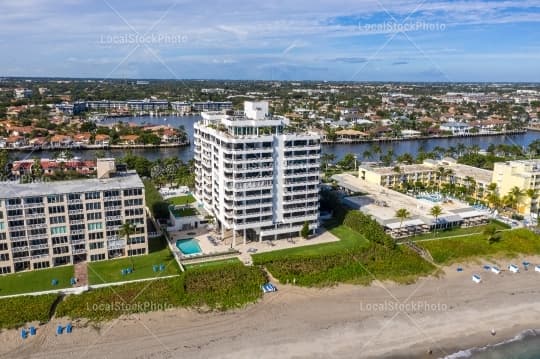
(258, 177)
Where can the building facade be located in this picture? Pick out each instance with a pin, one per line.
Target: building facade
(50, 224)
(428, 173)
(212, 106)
(260, 181)
(524, 174)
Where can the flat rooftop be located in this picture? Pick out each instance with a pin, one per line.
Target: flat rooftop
(382, 203)
(124, 181)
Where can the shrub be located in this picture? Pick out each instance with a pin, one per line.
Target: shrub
(368, 227)
(15, 312)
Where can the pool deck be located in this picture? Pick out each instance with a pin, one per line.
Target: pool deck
(207, 247)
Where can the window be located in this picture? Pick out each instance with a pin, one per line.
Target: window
(57, 209)
(133, 202)
(74, 196)
(57, 220)
(5, 270)
(136, 240)
(135, 252)
(58, 230)
(96, 245)
(93, 206)
(14, 201)
(4, 257)
(134, 212)
(16, 223)
(59, 240)
(97, 257)
(41, 265)
(14, 212)
(94, 236)
(92, 195)
(114, 193)
(133, 192)
(35, 221)
(33, 200)
(2, 226)
(95, 226)
(93, 216)
(38, 232)
(3, 247)
(55, 198)
(35, 211)
(60, 250)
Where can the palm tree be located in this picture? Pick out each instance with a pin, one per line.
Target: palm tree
(470, 183)
(126, 230)
(367, 154)
(436, 211)
(533, 194)
(402, 214)
(516, 194)
(494, 200)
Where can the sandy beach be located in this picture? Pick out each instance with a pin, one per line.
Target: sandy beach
(443, 315)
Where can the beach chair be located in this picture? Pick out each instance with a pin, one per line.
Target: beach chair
(161, 267)
(513, 268)
(155, 267)
(24, 333)
(476, 278)
(537, 268)
(59, 330)
(495, 270)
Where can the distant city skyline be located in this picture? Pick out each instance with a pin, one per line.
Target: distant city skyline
(344, 40)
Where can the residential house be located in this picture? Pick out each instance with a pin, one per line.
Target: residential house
(102, 140)
(129, 140)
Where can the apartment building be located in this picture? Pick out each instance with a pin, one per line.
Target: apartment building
(525, 174)
(428, 173)
(50, 224)
(212, 106)
(259, 180)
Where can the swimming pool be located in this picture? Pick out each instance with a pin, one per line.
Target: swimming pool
(188, 246)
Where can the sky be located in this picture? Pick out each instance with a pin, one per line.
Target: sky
(337, 40)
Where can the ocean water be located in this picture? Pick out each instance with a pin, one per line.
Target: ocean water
(524, 346)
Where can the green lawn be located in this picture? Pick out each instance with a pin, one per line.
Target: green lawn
(183, 212)
(35, 281)
(348, 239)
(458, 231)
(181, 200)
(110, 271)
(511, 243)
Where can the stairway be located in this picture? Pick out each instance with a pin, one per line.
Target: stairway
(81, 273)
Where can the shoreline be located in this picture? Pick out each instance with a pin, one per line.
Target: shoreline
(323, 142)
(422, 138)
(97, 148)
(346, 321)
